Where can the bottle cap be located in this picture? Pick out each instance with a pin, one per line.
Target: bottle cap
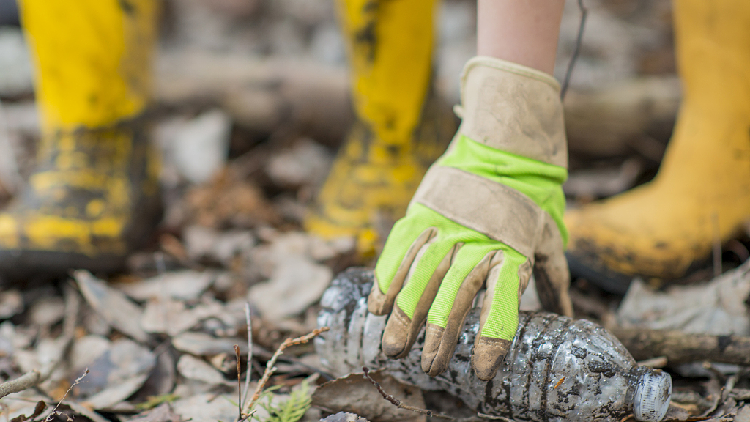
(652, 396)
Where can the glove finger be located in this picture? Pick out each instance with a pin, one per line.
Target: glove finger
(452, 303)
(416, 296)
(393, 265)
(498, 321)
(551, 273)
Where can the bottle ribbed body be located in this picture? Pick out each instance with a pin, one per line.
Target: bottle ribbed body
(557, 368)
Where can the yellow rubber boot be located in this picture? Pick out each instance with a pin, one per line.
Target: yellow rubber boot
(95, 193)
(398, 134)
(702, 191)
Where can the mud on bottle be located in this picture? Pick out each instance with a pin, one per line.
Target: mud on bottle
(557, 369)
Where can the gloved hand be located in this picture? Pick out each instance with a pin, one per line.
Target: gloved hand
(486, 213)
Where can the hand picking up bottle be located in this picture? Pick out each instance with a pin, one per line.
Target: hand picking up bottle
(485, 215)
(557, 369)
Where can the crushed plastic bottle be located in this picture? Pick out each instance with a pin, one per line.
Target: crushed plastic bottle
(558, 369)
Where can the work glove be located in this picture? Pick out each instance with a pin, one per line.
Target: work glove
(486, 213)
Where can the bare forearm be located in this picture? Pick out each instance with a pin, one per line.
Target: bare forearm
(520, 31)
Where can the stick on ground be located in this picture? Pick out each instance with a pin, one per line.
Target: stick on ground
(679, 347)
(271, 368)
(21, 383)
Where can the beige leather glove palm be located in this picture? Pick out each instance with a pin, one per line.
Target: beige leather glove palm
(486, 213)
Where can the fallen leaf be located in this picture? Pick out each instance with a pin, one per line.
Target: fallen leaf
(717, 307)
(305, 163)
(207, 407)
(219, 246)
(180, 285)
(38, 409)
(80, 409)
(199, 370)
(47, 311)
(115, 374)
(295, 284)
(677, 413)
(112, 305)
(199, 344)
(743, 415)
(161, 380)
(344, 417)
(354, 393)
(161, 413)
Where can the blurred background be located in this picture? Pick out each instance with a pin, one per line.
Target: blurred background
(262, 78)
(252, 102)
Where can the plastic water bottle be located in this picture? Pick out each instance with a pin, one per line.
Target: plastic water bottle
(557, 369)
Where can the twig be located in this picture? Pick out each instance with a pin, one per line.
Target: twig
(396, 402)
(250, 347)
(21, 383)
(576, 50)
(54, 410)
(680, 347)
(270, 368)
(238, 355)
(729, 386)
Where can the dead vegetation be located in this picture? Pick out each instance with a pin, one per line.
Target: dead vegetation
(201, 317)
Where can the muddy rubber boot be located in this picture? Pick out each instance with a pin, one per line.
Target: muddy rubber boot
(400, 128)
(662, 230)
(94, 195)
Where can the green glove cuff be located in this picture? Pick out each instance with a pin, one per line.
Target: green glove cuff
(539, 181)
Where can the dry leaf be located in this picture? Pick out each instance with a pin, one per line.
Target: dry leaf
(354, 393)
(112, 305)
(296, 283)
(717, 307)
(743, 415)
(161, 413)
(344, 417)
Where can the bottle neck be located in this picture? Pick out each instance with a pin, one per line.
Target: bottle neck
(651, 393)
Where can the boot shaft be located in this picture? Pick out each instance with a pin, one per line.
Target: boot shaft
(92, 57)
(713, 52)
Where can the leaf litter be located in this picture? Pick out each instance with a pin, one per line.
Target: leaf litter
(159, 340)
